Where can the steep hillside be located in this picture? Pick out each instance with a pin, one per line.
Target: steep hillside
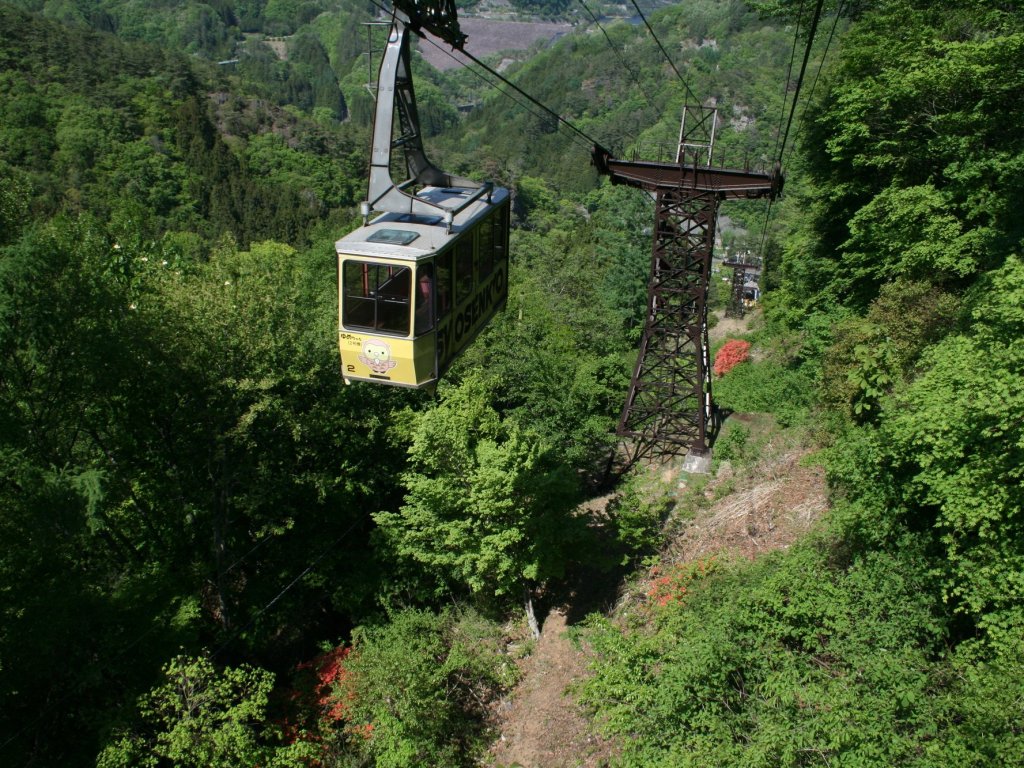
(212, 552)
(93, 124)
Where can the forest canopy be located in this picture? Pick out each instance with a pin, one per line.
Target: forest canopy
(213, 552)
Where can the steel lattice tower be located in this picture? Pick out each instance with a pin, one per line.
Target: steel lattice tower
(668, 411)
(668, 408)
(735, 306)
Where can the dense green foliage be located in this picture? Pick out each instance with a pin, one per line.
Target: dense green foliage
(894, 637)
(183, 472)
(214, 553)
(415, 687)
(203, 717)
(802, 660)
(134, 136)
(487, 502)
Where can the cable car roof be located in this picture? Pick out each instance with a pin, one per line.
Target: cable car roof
(411, 237)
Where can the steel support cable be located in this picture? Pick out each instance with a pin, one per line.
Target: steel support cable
(803, 70)
(796, 95)
(618, 54)
(821, 64)
(789, 77)
(330, 548)
(589, 141)
(764, 227)
(73, 690)
(504, 93)
(665, 54)
(242, 558)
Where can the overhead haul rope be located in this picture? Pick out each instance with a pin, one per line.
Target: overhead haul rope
(590, 142)
(526, 106)
(789, 78)
(821, 64)
(330, 548)
(803, 70)
(124, 651)
(618, 54)
(665, 54)
(796, 96)
(71, 690)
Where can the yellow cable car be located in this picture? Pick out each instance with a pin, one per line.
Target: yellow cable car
(414, 290)
(420, 281)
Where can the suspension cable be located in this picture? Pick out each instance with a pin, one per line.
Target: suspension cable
(803, 70)
(330, 548)
(590, 142)
(643, 18)
(789, 78)
(618, 54)
(524, 105)
(796, 95)
(821, 64)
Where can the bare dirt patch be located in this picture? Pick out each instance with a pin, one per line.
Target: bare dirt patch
(278, 45)
(726, 327)
(487, 36)
(767, 513)
(540, 724)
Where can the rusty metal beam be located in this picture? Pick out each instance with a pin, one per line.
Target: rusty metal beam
(726, 183)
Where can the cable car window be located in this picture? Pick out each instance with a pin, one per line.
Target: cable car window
(485, 249)
(424, 298)
(376, 297)
(443, 283)
(463, 270)
(393, 236)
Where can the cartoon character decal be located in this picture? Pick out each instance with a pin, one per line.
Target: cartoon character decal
(377, 356)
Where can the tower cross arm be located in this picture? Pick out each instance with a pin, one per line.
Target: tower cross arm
(727, 183)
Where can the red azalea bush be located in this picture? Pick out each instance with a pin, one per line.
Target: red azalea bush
(672, 585)
(732, 353)
(319, 704)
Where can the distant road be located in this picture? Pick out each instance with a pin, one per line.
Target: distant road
(487, 36)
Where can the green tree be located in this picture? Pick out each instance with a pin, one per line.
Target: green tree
(204, 717)
(416, 690)
(14, 202)
(947, 461)
(488, 504)
(910, 154)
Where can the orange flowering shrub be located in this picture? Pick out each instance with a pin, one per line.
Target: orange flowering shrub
(674, 584)
(732, 353)
(334, 690)
(321, 703)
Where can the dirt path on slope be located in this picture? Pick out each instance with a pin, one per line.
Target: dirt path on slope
(766, 506)
(729, 326)
(540, 724)
(771, 506)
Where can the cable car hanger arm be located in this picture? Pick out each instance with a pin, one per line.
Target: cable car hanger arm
(395, 93)
(438, 17)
